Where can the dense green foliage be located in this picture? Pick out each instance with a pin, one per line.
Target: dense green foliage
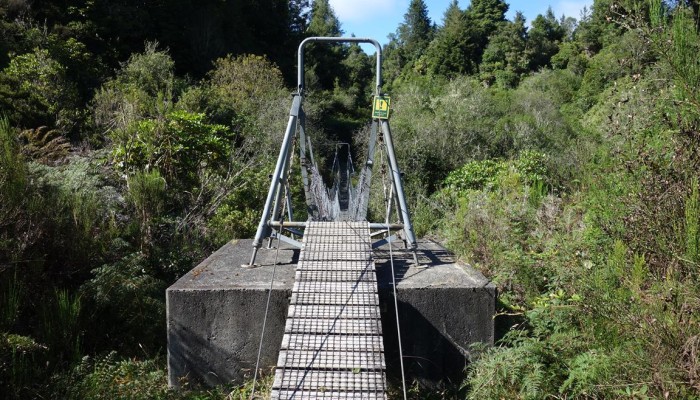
(560, 158)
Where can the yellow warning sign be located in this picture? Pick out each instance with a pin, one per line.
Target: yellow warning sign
(380, 108)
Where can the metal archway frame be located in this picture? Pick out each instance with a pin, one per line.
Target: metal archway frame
(271, 222)
(300, 57)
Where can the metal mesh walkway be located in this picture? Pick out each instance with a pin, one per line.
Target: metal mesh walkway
(332, 346)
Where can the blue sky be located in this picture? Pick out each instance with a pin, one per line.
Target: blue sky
(378, 18)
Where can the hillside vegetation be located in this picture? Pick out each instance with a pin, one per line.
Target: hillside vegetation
(558, 156)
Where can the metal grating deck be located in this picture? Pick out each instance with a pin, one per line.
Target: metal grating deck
(332, 346)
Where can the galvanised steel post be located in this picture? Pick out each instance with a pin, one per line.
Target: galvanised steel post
(263, 227)
(396, 177)
(276, 210)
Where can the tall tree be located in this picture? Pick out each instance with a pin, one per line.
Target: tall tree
(324, 22)
(325, 61)
(452, 51)
(299, 17)
(416, 31)
(360, 78)
(487, 13)
(544, 39)
(597, 27)
(505, 58)
(484, 16)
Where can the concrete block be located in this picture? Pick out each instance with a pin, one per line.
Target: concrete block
(444, 305)
(215, 313)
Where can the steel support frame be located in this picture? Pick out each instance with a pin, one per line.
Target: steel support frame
(280, 177)
(398, 186)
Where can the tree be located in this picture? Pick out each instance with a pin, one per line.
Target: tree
(487, 13)
(416, 31)
(597, 28)
(35, 91)
(323, 20)
(452, 51)
(544, 39)
(324, 61)
(361, 79)
(484, 16)
(298, 17)
(505, 58)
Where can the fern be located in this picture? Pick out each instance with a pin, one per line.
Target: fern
(585, 371)
(692, 223)
(517, 372)
(13, 173)
(47, 146)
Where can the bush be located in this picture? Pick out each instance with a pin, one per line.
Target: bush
(13, 188)
(248, 93)
(34, 91)
(21, 365)
(127, 294)
(144, 88)
(111, 378)
(179, 145)
(488, 174)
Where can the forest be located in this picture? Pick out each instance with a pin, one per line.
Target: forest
(559, 156)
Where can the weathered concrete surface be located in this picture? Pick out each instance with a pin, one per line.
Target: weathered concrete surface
(215, 313)
(444, 306)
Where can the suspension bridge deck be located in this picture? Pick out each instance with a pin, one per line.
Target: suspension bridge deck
(332, 346)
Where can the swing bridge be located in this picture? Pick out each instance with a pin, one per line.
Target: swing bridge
(318, 299)
(332, 346)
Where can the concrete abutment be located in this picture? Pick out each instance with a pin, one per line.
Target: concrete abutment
(215, 314)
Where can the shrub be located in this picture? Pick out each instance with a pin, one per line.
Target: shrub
(20, 365)
(145, 87)
(179, 146)
(247, 93)
(478, 175)
(111, 378)
(126, 294)
(34, 91)
(13, 182)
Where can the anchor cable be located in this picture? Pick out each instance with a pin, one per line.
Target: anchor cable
(267, 308)
(269, 292)
(387, 199)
